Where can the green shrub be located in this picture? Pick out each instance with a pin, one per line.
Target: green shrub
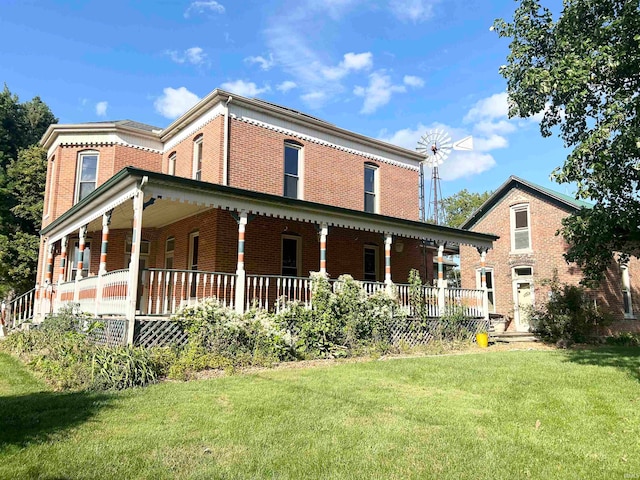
(624, 340)
(568, 316)
(117, 368)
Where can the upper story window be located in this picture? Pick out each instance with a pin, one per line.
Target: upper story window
(292, 170)
(171, 168)
(370, 188)
(197, 157)
(520, 231)
(87, 174)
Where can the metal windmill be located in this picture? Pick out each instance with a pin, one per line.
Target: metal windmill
(436, 146)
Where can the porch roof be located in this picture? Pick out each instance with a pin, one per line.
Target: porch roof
(169, 198)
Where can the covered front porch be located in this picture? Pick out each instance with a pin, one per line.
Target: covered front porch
(166, 242)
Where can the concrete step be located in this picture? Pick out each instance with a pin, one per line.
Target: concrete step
(513, 337)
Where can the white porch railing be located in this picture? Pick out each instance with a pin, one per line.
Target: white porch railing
(429, 297)
(169, 289)
(87, 293)
(266, 291)
(64, 294)
(19, 310)
(114, 293)
(470, 301)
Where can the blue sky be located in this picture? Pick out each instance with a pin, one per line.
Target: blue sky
(390, 69)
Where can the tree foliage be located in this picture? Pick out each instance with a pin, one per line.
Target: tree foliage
(23, 169)
(459, 206)
(582, 72)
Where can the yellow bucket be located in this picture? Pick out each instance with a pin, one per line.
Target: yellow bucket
(482, 339)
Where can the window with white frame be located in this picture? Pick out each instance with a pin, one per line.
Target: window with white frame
(86, 175)
(370, 187)
(626, 292)
(194, 253)
(292, 170)
(145, 249)
(291, 256)
(371, 263)
(75, 260)
(520, 228)
(197, 157)
(490, 286)
(171, 167)
(169, 248)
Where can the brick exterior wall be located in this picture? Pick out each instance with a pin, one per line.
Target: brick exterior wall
(546, 257)
(331, 176)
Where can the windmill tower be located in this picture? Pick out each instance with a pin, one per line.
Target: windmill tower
(436, 146)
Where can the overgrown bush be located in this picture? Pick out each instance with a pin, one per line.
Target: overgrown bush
(117, 368)
(627, 339)
(569, 316)
(343, 321)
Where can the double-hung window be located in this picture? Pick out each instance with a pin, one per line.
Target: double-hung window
(75, 258)
(197, 157)
(371, 263)
(194, 247)
(171, 170)
(291, 257)
(626, 292)
(292, 167)
(87, 174)
(370, 188)
(488, 272)
(520, 228)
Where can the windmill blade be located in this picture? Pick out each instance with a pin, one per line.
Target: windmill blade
(465, 144)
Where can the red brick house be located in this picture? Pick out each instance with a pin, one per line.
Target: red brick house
(239, 199)
(526, 217)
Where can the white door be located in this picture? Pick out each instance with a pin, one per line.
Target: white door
(523, 301)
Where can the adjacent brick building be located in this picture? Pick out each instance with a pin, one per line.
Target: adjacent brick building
(529, 252)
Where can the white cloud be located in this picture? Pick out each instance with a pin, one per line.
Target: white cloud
(101, 108)
(314, 99)
(466, 164)
(246, 89)
(500, 127)
(285, 86)
(407, 137)
(378, 92)
(175, 101)
(413, 81)
(205, 6)
(351, 62)
(412, 10)
(492, 142)
(265, 63)
(495, 106)
(193, 55)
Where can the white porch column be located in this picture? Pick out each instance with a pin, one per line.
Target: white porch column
(240, 272)
(483, 283)
(388, 239)
(441, 283)
(106, 221)
(82, 234)
(64, 242)
(134, 265)
(324, 231)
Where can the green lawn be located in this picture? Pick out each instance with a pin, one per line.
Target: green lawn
(466, 416)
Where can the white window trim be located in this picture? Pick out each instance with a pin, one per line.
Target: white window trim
(190, 259)
(171, 166)
(52, 183)
(376, 186)
(515, 279)
(298, 240)
(626, 287)
(300, 148)
(197, 144)
(518, 208)
(376, 248)
(85, 153)
(493, 281)
(127, 251)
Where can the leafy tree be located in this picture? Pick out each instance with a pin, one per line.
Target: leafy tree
(582, 73)
(459, 206)
(23, 168)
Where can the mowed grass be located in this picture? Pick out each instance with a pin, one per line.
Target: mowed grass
(519, 414)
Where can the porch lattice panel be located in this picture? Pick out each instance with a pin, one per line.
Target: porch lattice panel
(413, 332)
(112, 333)
(159, 333)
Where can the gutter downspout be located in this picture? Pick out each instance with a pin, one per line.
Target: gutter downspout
(225, 152)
